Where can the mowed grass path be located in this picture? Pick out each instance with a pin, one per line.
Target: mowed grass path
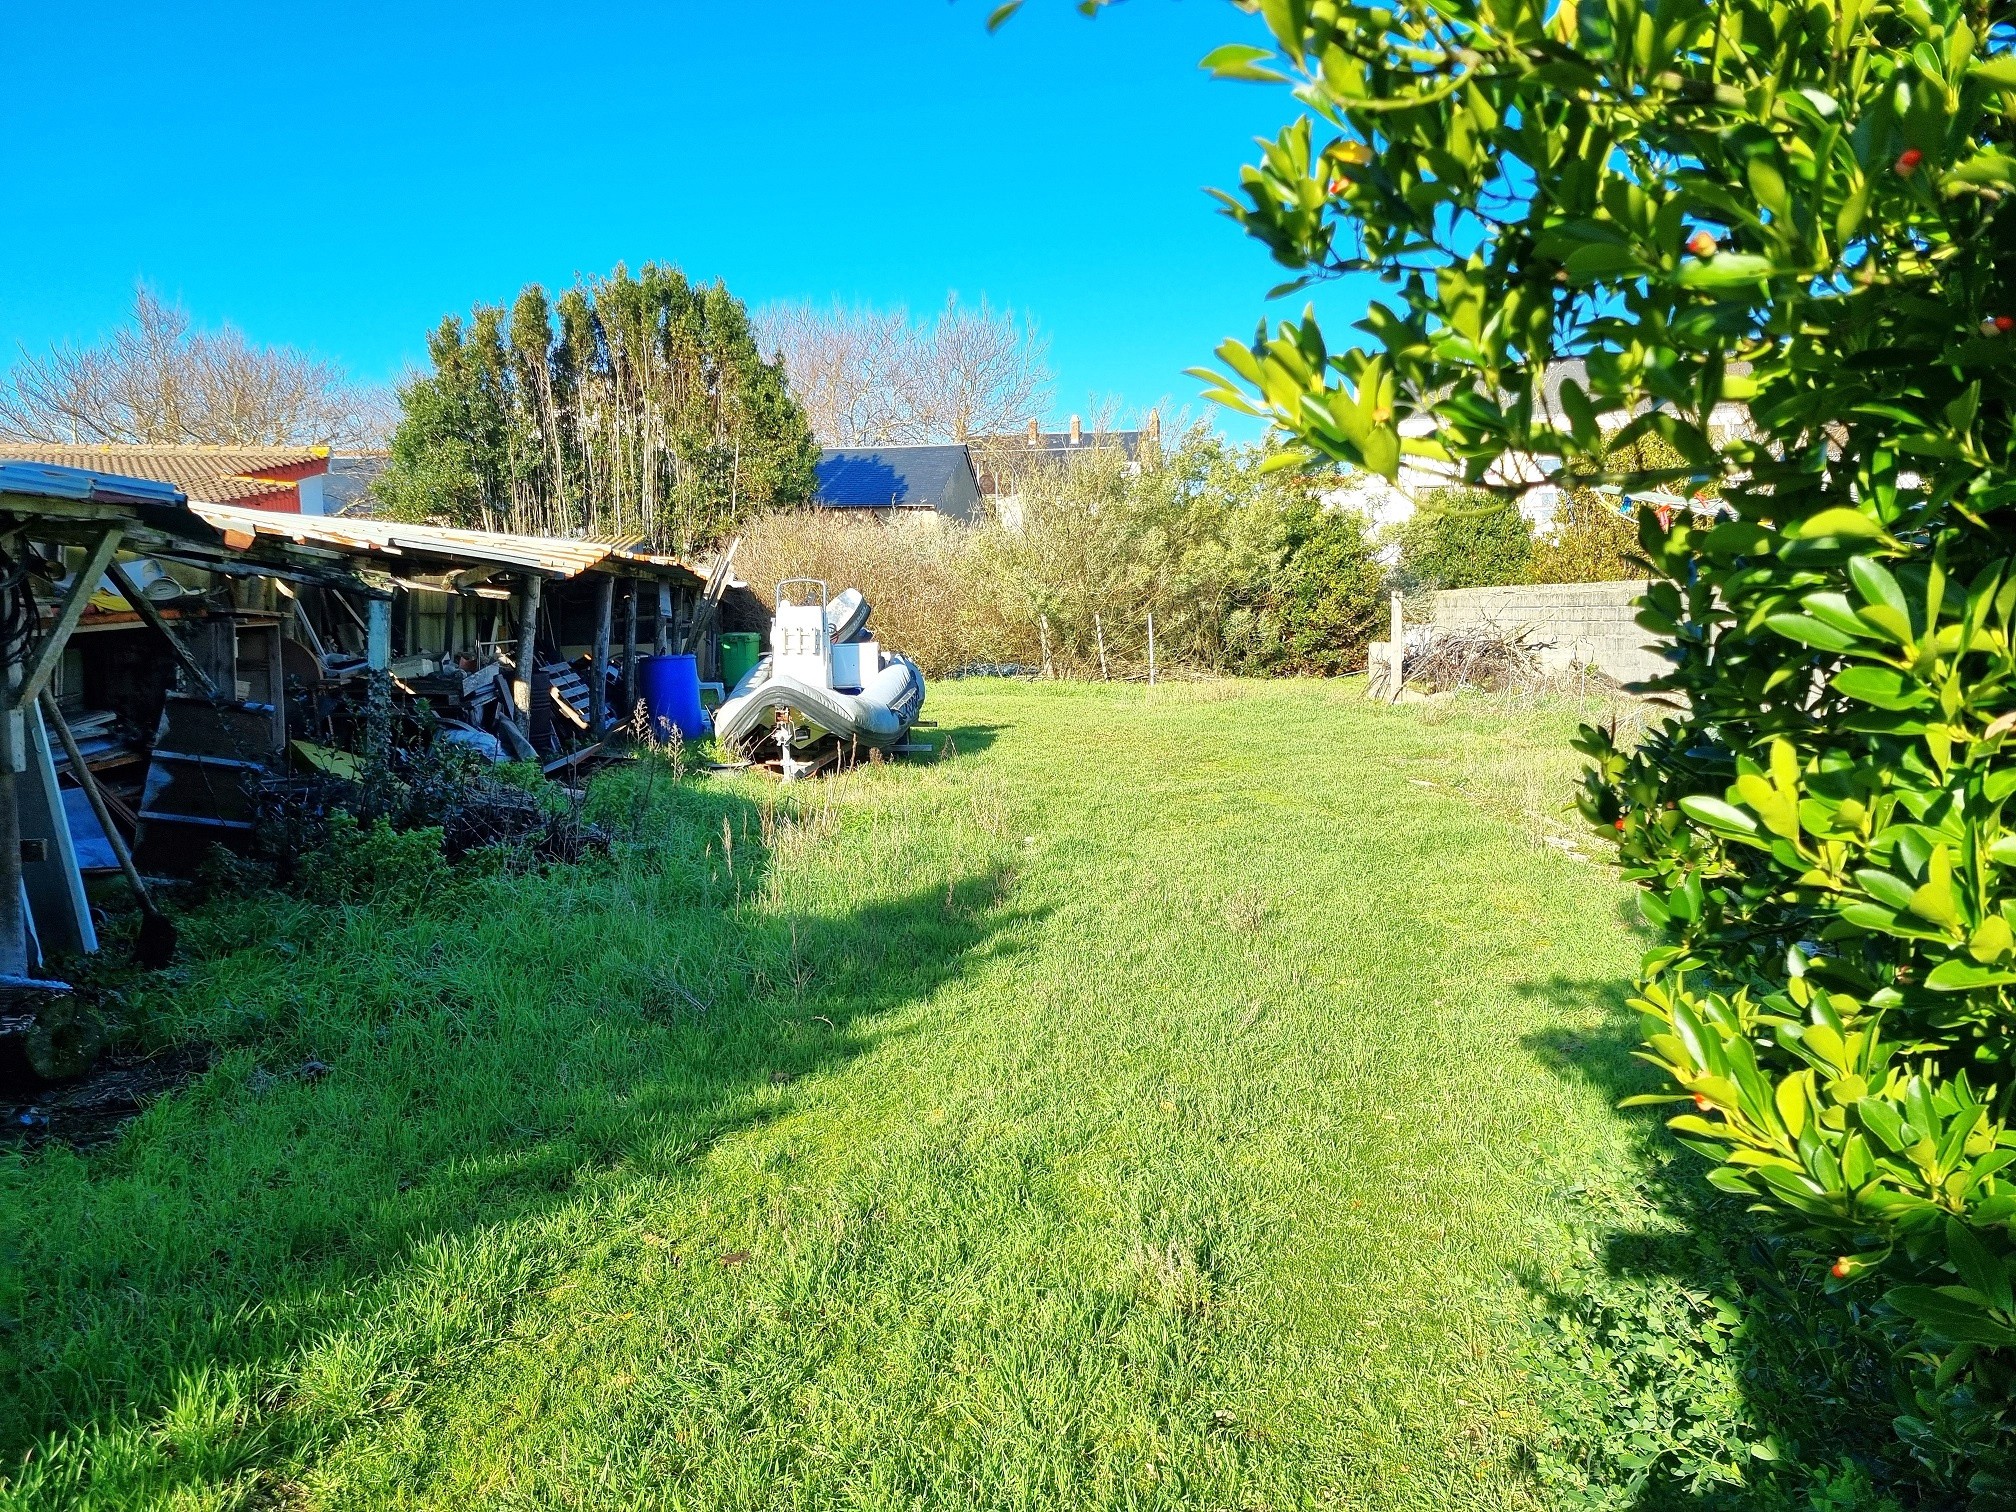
(1159, 1103)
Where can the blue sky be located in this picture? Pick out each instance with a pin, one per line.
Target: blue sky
(339, 177)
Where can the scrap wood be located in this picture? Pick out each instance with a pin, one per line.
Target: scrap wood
(571, 758)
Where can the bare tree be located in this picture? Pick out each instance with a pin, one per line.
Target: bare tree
(866, 375)
(158, 381)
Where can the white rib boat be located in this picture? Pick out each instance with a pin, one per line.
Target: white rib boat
(826, 691)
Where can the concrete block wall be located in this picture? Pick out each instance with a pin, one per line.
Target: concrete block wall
(1587, 623)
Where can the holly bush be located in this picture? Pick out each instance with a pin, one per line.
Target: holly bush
(1800, 210)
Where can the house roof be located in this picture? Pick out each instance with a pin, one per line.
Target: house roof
(1059, 443)
(221, 474)
(895, 477)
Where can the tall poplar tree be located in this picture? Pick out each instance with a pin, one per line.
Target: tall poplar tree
(631, 407)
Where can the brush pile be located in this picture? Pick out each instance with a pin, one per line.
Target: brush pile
(1476, 656)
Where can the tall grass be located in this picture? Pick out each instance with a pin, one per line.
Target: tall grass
(1127, 1112)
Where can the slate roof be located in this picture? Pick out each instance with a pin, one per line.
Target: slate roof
(895, 477)
(220, 474)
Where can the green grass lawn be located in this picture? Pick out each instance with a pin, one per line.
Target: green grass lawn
(1172, 1099)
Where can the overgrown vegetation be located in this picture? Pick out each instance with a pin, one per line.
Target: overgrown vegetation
(868, 1142)
(1243, 570)
(1806, 210)
(634, 406)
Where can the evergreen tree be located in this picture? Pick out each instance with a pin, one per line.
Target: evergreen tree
(634, 407)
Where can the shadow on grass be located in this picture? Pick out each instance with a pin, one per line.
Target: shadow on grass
(1698, 1332)
(396, 1088)
(964, 739)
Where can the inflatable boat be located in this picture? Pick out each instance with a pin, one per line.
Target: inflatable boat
(826, 692)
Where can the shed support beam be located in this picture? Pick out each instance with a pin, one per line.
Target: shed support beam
(49, 653)
(144, 607)
(378, 635)
(630, 650)
(664, 642)
(598, 678)
(378, 679)
(528, 650)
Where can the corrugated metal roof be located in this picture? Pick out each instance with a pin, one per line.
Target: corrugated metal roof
(42, 481)
(549, 556)
(222, 474)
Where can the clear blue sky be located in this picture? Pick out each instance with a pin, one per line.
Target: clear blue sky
(339, 178)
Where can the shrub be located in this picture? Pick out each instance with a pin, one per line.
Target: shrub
(1590, 540)
(1463, 539)
(1244, 570)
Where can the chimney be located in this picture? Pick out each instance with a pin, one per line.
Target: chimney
(1154, 427)
(1035, 435)
(1077, 431)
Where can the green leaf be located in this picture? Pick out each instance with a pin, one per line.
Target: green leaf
(1982, 1271)
(1957, 975)
(1724, 818)
(1811, 632)
(1884, 1121)
(1954, 1319)
(1235, 60)
(1884, 687)
(1839, 523)
(1726, 270)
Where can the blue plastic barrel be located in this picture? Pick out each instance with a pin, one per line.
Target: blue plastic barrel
(670, 686)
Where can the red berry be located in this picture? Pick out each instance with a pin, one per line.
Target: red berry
(1908, 161)
(1620, 826)
(2005, 323)
(1842, 1269)
(1702, 244)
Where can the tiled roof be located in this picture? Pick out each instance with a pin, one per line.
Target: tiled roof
(220, 474)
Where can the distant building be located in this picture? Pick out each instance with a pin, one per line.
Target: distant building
(892, 480)
(1002, 461)
(285, 480)
(347, 489)
(1387, 503)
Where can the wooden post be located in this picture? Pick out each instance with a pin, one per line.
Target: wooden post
(630, 651)
(377, 679)
(1043, 631)
(1396, 653)
(528, 650)
(13, 897)
(378, 635)
(662, 642)
(1099, 634)
(1151, 648)
(598, 676)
